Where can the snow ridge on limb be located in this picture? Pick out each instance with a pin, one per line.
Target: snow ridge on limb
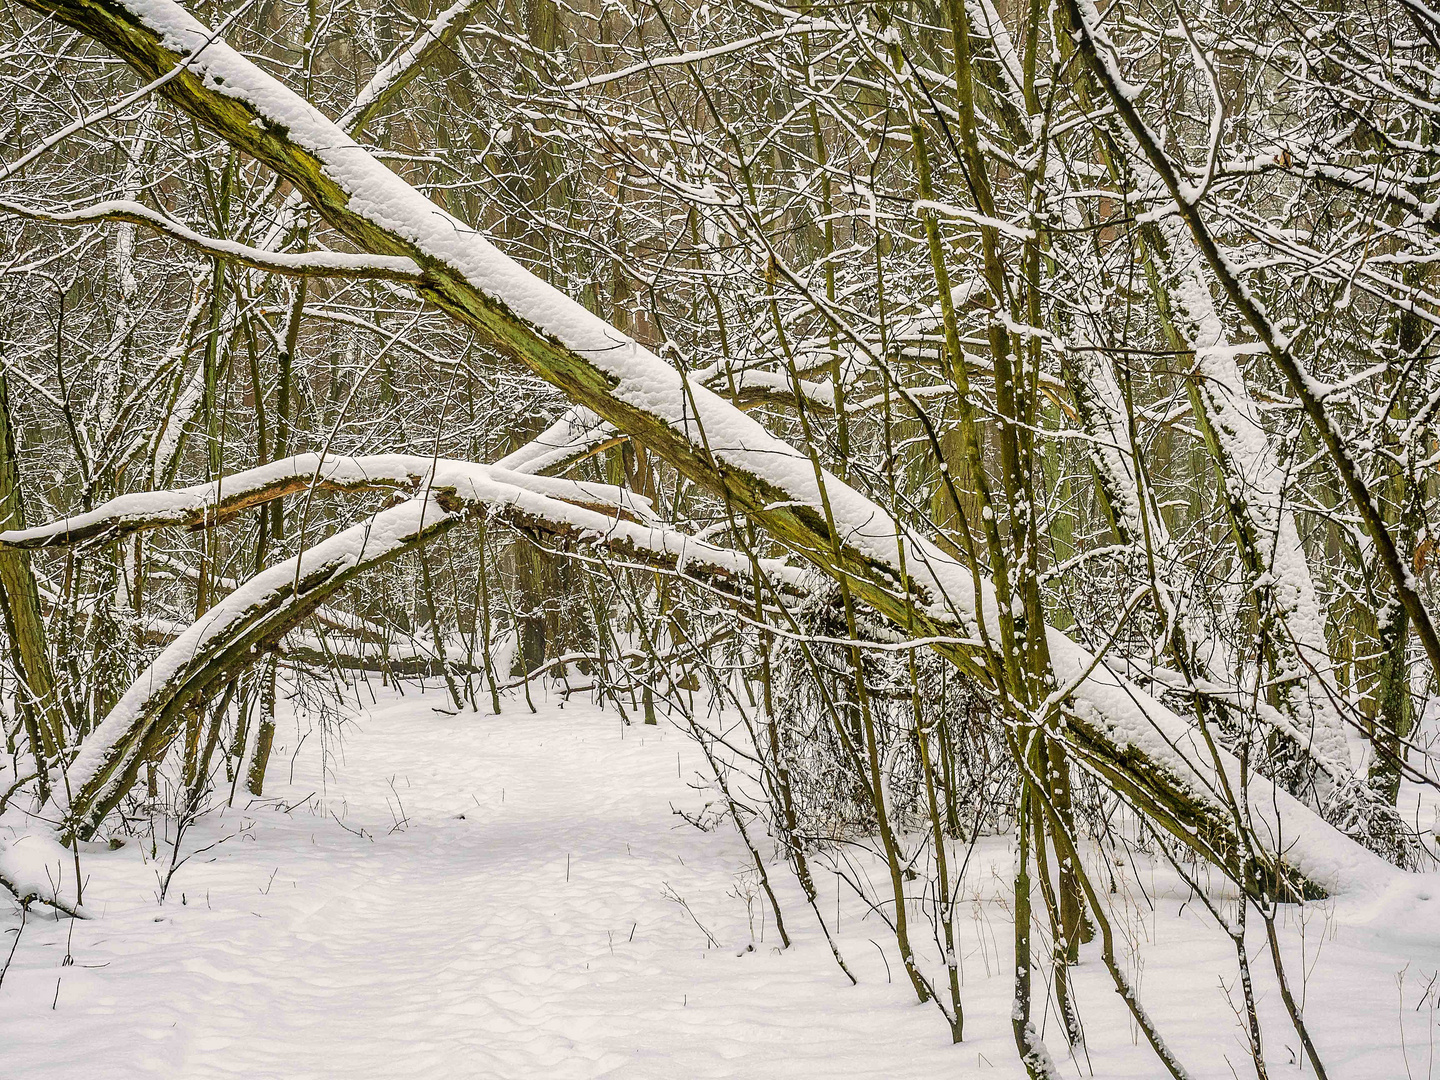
(1254, 486)
(1255, 490)
(390, 77)
(1101, 408)
(33, 868)
(203, 505)
(297, 264)
(208, 504)
(224, 640)
(707, 439)
(577, 434)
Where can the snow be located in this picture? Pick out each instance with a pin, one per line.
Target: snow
(642, 379)
(201, 502)
(1282, 824)
(1009, 228)
(495, 905)
(577, 429)
(181, 506)
(1253, 467)
(794, 26)
(1099, 396)
(583, 507)
(265, 597)
(1258, 492)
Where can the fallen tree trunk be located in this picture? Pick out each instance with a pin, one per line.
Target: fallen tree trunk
(255, 617)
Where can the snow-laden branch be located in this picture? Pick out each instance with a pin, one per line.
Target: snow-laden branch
(577, 434)
(36, 869)
(390, 78)
(794, 28)
(225, 639)
(1247, 462)
(204, 505)
(1099, 56)
(296, 264)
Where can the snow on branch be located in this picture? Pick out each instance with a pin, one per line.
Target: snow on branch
(301, 264)
(258, 613)
(36, 869)
(390, 78)
(795, 27)
(1100, 57)
(205, 505)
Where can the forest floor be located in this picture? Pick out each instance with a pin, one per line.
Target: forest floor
(514, 896)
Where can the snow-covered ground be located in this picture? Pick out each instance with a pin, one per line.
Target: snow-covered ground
(513, 896)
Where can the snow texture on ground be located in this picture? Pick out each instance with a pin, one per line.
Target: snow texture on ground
(477, 896)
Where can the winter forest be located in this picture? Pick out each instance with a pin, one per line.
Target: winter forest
(746, 538)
